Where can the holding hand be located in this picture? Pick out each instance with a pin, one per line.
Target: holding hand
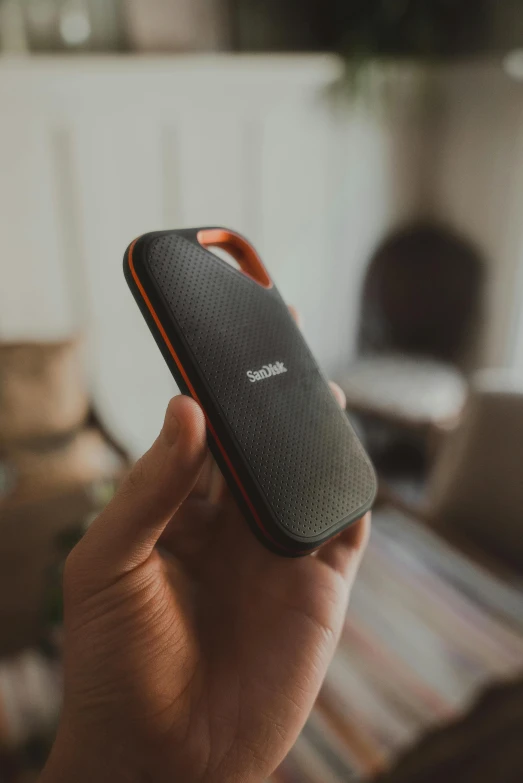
(192, 654)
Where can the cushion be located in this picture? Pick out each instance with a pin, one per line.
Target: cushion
(416, 389)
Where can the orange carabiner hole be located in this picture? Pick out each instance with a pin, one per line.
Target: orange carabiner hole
(242, 251)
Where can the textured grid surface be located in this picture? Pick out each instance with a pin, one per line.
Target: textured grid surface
(308, 462)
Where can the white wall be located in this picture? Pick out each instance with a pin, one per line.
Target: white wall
(95, 151)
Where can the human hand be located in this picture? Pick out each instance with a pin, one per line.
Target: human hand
(192, 654)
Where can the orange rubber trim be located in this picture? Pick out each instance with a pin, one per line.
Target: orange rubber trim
(241, 250)
(195, 397)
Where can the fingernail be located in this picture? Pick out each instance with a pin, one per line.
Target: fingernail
(171, 427)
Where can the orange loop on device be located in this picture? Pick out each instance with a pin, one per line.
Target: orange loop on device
(238, 247)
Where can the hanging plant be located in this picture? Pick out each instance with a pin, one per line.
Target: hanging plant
(412, 29)
(385, 43)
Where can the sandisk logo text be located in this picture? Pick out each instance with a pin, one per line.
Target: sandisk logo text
(266, 372)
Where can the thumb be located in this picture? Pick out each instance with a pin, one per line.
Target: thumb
(125, 534)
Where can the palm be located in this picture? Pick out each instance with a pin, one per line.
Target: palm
(260, 635)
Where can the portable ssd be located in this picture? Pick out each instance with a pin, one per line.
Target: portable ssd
(286, 449)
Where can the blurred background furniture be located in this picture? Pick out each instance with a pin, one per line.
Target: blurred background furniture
(42, 390)
(178, 25)
(428, 628)
(74, 25)
(420, 328)
(475, 492)
(453, 751)
(58, 467)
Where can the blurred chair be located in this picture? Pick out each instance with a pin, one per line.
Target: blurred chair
(420, 312)
(476, 489)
